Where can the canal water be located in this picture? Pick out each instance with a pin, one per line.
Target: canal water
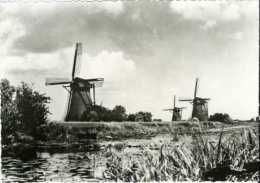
(64, 167)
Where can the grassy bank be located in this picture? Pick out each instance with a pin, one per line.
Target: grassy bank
(125, 130)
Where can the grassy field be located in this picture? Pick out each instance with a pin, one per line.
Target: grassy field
(140, 130)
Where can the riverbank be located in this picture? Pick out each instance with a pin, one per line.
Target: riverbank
(91, 136)
(124, 130)
(159, 158)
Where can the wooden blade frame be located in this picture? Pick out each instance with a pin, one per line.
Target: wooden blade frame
(57, 81)
(174, 101)
(196, 88)
(77, 60)
(185, 100)
(168, 109)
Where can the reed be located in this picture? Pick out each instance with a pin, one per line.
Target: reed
(229, 158)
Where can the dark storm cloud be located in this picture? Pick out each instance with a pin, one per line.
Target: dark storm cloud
(141, 29)
(135, 30)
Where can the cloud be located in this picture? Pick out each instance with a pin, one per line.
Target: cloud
(119, 75)
(113, 66)
(133, 28)
(237, 36)
(42, 8)
(210, 13)
(46, 24)
(130, 27)
(209, 24)
(10, 30)
(33, 61)
(37, 62)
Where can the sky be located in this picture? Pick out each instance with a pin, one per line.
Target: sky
(147, 52)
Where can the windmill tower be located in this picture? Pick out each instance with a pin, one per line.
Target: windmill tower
(176, 111)
(200, 105)
(80, 98)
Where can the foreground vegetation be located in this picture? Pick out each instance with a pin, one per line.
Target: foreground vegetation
(24, 115)
(229, 158)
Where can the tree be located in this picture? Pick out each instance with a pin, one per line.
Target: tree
(131, 117)
(32, 108)
(9, 114)
(119, 109)
(143, 116)
(147, 117)
(118, 113)
(221, 118)
(157, 120)
(22, 108)
(100, 113)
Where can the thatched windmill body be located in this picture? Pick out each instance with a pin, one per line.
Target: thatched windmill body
(176, 111)
(200, 105)
(80, 98)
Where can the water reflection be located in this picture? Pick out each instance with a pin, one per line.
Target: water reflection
(67, 165)
(52, 167)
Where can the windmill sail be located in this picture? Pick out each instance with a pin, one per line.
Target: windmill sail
(187, 100)
(77, 60)
(57, 81)
(168, 109)
(196, 88)
(174, 102)
(98, 82)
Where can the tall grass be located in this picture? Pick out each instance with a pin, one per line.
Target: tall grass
(230, 157)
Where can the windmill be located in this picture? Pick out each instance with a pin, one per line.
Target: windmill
(200, 105)
(80, 98)
(176, 111)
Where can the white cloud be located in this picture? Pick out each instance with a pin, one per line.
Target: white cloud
(113, 66)
(41, 7)
(112, 7)
(213, 12)
(39, 62)
(33, 62)
(237, 36)
(209, 24)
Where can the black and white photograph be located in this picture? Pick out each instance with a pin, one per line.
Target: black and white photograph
(129, 90)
